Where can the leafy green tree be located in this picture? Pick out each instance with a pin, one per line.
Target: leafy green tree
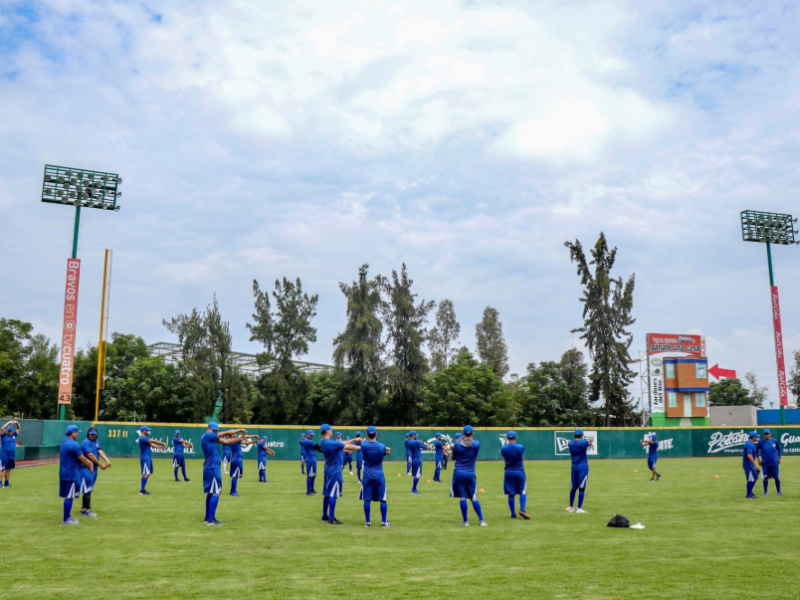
(607, 307)
(285, 333)
(405, 320)
(574, 371)
(757, 391)
(729, 392)
(358, 352)
(466, 392)
(323, 399)
(490, 343)
(444, 336)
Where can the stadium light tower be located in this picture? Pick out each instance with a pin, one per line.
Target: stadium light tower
(772, 228)
(82, 189)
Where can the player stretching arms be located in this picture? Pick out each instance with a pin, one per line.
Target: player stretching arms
(93, 452)
(263, 450)
(145, 458)
(441, 458)
(237, 459)
(10, 432)
(652, 455)
(770, 451)
(178, 459)
(416, 447)
(302, 454)
(310, 449)
(69, 471)
(373, 488)
(515, 481)
(580, 470)
(465, 483)
(408, 455)
(749, 463)
(359, 458)
(348, 458)
(331, 450)
(212, 471)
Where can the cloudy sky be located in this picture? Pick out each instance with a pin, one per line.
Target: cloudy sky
(468, 139)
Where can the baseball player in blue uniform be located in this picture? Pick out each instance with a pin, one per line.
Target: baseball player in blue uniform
(578, 449)
(416, 447)
(8, 449)
(237, 459)
(212, 466)
(359, 457)
(178, 458)
(769, 457)
(749, 463)
(514, 482)
(373, 487)
(92, 450)
(302, 454)
(145, 457)
(310, 449)
(263, 450)
(440, 457)
(465, 483)
(331, 450)
(69, 471)
(651, 444)
(408, 455)
(348, 458)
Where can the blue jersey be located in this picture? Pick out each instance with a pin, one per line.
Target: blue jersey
(415, 447)
(578, 450)
(88, 446)
(210, 450)
(408, 449)
(438, 448)
(302, 450)
(9, 443)
(236, 451)
(770, 451)
(514, 455)
(333, 457)
(373, 453)
(178, 445)
(652, 449)
(465, 453)
(70, 467)
(341, 452)
(262, 451)
(144, 448)
(226, 452)
(308, 446)
(749, 449)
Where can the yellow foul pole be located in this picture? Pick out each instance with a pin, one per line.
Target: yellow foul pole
(101, 353)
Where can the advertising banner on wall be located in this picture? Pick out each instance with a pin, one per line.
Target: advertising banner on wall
(68, 335)
(776, 324)
(668, 345)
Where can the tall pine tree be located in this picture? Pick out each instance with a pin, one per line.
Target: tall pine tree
(490, 343)
(443, 338)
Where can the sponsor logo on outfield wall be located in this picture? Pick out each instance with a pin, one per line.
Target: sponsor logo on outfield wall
(727, 442)
(563, 438)
(662, 444)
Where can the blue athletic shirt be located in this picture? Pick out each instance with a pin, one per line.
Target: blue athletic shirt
(89, 446)
(302, 450)
(236, 451)
(652, 449)
(770, 451)
(311, 454)
(178, 444)
(144, 448)
(578, 449)
(9, 443)
(226, 452)
(209, 443)
(262, 451)
(749, 448)
(333, 458)
(416, 447)
(514, 455)
(373, 453)
(438, 447)
(408, 449)
(70, 467)
(466, 454)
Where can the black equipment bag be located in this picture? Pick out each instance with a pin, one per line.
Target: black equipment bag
(619, 521)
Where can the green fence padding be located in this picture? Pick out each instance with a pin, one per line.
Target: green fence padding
(53, 431)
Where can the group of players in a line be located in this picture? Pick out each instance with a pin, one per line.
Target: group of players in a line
(79, 466)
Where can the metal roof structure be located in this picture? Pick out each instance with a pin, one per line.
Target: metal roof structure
(246, 363)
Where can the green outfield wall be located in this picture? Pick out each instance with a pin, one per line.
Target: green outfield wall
(120, 440)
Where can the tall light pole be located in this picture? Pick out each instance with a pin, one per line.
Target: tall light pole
(82, 189)
(772, 228)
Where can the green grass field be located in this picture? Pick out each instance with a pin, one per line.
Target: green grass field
(703, 539)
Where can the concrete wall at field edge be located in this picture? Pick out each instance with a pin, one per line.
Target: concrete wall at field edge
(734, 416)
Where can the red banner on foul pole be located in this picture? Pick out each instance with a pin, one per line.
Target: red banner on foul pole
(68, 333)
(776, 324)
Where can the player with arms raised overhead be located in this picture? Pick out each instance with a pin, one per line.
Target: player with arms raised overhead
(178, 458)
(93, 452)
(769, 457)
(749, 463)
(578, 449)
(651, 444)
(263, 450)
(373, 486)
(212, 466)
(69, 471)
(465, 483)
(416, 447)
(145, 457)
(331, 450)
(514, 482)
(8, 450)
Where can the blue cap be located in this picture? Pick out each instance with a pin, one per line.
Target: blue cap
(302, 433)
(265, 438)
(412, 433)
(310, 432)
(579, 431)
(144, 428)
(338, 434)
(325, 427)
(766, 431)
(468, 430)
(371, 429)
(458, 435)
(347, 438)
(72, 429)
(358, 433)
(438, 435)
(754, 433)
(92, 430)
(213, 426)
(10, 428)
(177, 432)
(654, 436)
(511, 435)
